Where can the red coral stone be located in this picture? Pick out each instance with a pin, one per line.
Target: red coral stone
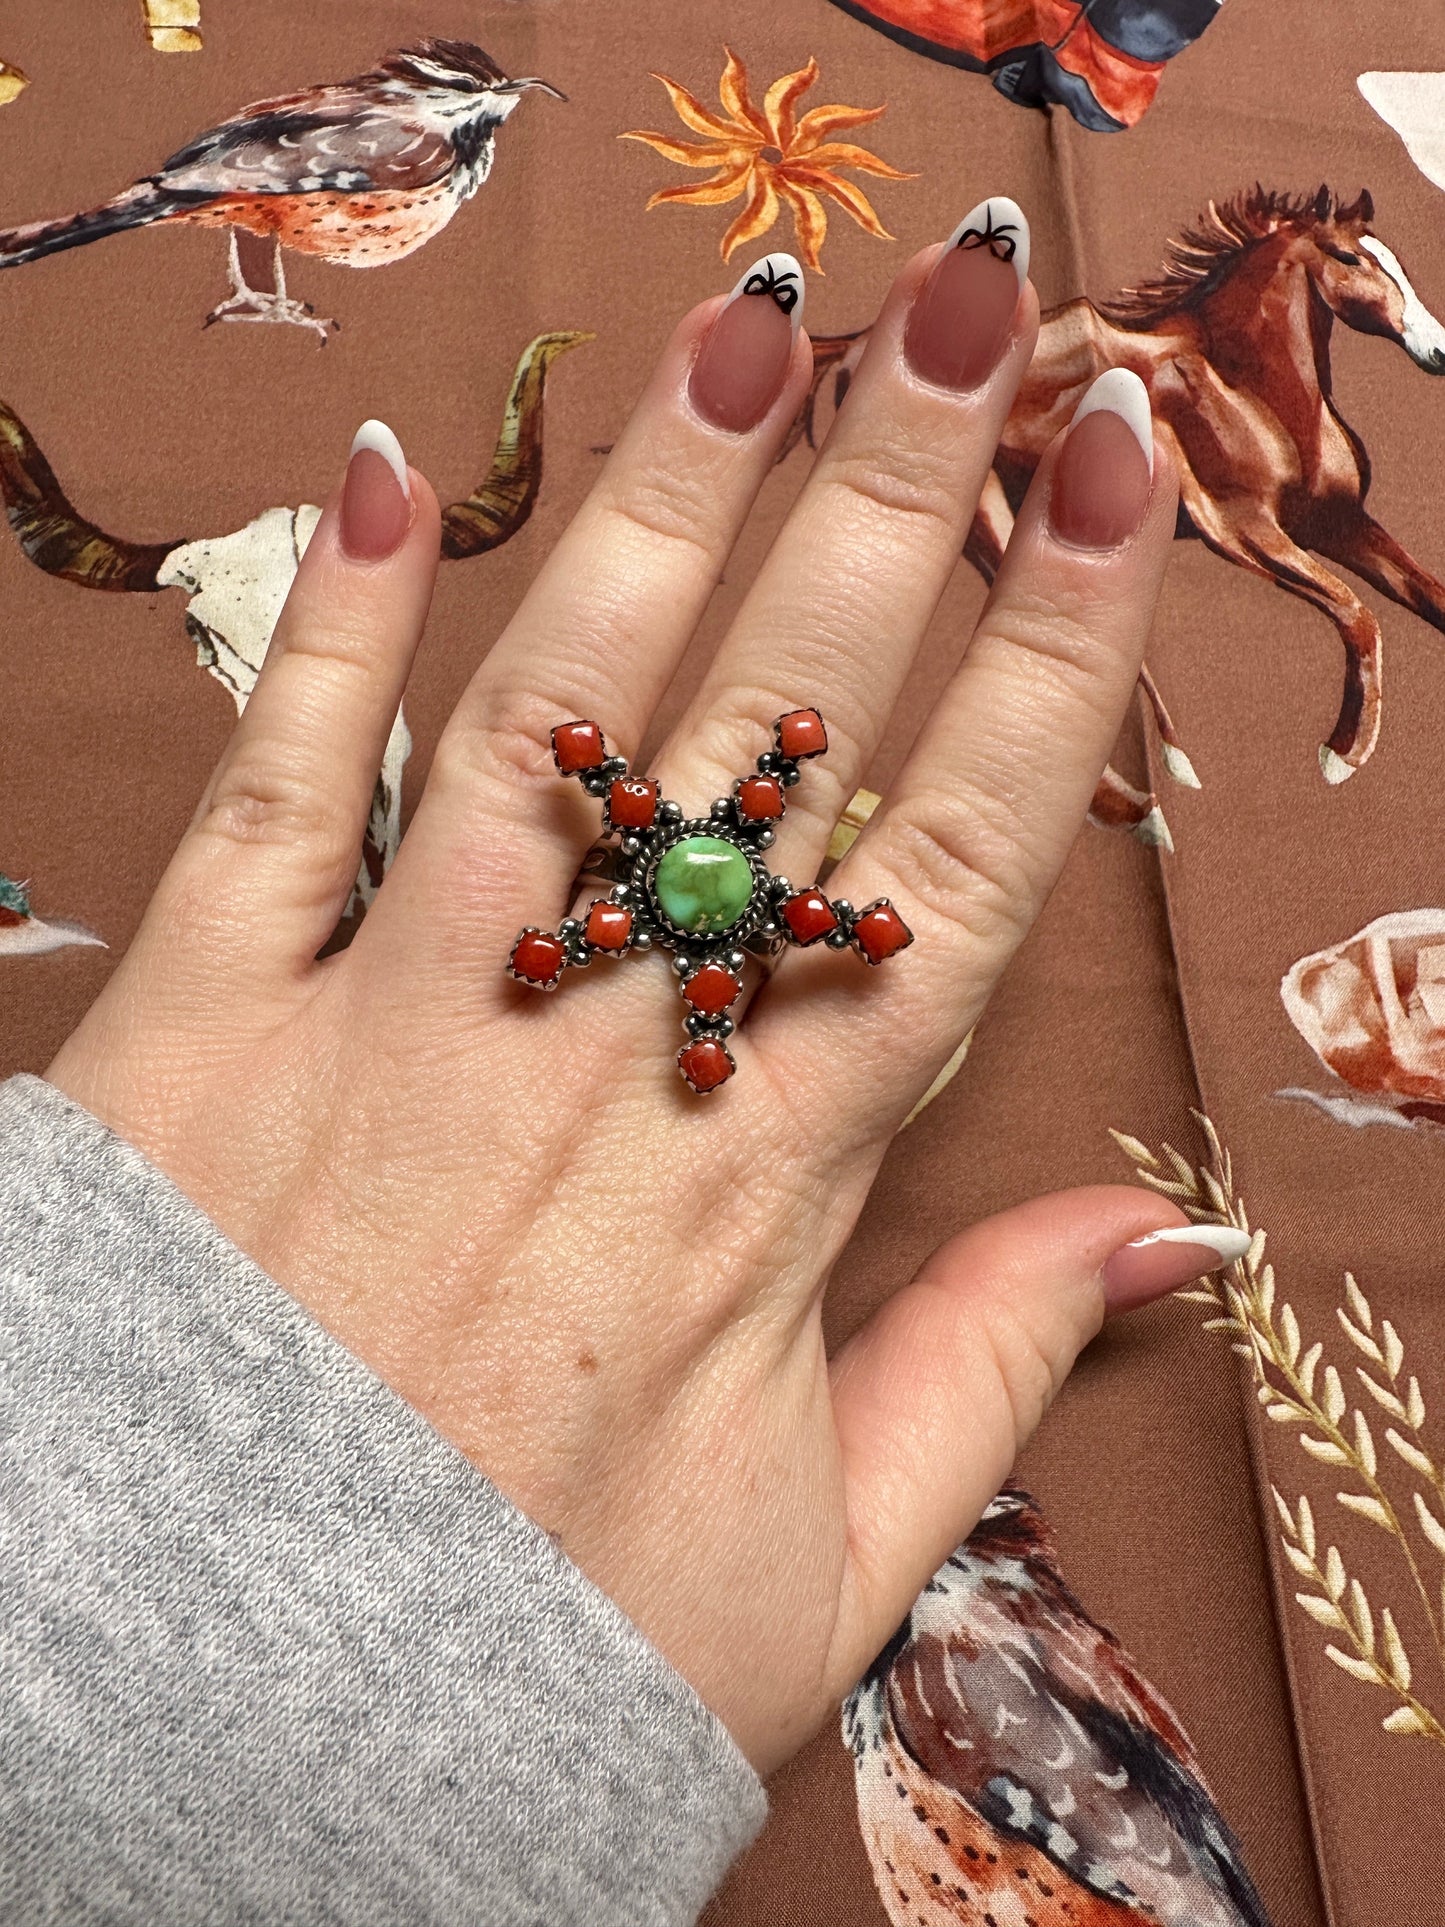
(705, 1063)
(537, 958)
(760, 799)
(808, 915)
(878, 931)
(631, 803)
(577, 747)
(609, 926)
(711, 989)
(801, 733)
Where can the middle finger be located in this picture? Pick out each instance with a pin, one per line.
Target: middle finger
(842, 603)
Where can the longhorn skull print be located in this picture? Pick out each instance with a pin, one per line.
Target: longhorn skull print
(236, 583)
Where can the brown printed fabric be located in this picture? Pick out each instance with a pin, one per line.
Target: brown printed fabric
(1190, 1669)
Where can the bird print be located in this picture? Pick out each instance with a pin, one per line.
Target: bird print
(1014, 1769)
(23, 934)
(361, 172)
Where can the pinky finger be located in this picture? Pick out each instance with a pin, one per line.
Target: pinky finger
(272, 853)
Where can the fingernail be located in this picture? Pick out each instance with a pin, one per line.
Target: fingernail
(745, 355)
(1164, 1260)
(375, 498)
(962, 317)
(1105, 468)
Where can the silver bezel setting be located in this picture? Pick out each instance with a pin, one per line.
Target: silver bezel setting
(704, 944)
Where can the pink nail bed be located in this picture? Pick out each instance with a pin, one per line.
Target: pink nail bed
(1161, 1261)
(962, 317)
(746, 354)
(376, 496)
(1105, 471)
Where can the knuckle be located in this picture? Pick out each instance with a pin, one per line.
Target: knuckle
(950, 855)
(353, 640)
(511, 745)
(1069, 641)
(258, 804)
(1028, 1372)
(671, 509)
(903, 484)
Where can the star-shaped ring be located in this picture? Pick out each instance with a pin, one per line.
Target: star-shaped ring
(698, 886)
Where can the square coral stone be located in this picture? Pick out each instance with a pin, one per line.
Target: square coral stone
(879, 931)
(577, 747)
(705, 1063)
(808, 916)
(538, 958)
(711, 989)
(608, 926)
(631, 803)
(759, 799)
(801, 733)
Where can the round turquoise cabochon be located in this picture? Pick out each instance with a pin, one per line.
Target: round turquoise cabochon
(703, 884)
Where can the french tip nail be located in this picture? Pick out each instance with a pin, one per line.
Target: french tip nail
(1228, 1244)
(743, 360)
(1000, 225)
(377, 437)
(1121, 393)
(1163, 1261)
(780, 277)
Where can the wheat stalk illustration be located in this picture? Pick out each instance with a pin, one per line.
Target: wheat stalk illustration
(1297, 1386)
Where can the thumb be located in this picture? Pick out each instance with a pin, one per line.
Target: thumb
(935, 1395)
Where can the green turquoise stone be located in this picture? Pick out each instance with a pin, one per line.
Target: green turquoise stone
(703, 884)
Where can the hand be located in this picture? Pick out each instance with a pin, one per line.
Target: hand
(603, 1288)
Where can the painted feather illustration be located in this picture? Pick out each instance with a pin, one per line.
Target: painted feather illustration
(1014, 1766)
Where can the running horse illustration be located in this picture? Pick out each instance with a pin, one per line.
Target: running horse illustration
(1233, 342)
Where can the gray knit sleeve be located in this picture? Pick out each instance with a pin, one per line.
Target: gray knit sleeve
(270, 1649)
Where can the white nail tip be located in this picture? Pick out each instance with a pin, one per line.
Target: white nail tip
(779, 276)
(1223, 1239)
(379, 439)
(1004, 219)
(1120, 392)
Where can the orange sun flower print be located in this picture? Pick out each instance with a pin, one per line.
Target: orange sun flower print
(772, 157)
